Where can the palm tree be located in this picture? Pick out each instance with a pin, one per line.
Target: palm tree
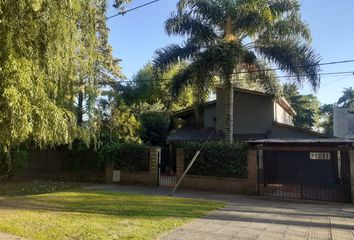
(347, 100)
(232, 39)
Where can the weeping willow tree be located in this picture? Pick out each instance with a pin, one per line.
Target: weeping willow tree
(53, 56)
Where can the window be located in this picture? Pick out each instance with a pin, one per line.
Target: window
(320, 156)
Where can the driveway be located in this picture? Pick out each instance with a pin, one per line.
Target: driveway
(260, 218)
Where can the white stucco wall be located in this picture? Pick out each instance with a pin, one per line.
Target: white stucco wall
(343, 123)
(282, 116)
(210, 116)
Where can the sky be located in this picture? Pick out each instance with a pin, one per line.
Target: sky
(136, 35)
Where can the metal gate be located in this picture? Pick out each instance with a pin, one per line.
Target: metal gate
(167, 168)
(322, 176)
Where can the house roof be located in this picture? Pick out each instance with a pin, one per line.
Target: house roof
(301, 140)
(194, 133)
(191, 109)
(281, 101)
(301, 130)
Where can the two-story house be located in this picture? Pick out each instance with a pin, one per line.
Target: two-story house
(257, 115)
(282, 160)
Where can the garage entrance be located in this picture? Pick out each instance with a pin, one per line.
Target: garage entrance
(317, 173)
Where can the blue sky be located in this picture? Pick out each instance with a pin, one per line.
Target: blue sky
(136, 35)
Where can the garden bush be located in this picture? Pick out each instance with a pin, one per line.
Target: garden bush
(81, 157)
(217, 159)
(127, 156)
(155, 127)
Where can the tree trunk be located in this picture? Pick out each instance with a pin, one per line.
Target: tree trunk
(229, 110)
(80, 108)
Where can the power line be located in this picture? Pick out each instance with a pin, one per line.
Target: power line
(132, 9)
(327, 84)
(282, 76)
(338, 74)
(320, 64)
(322, 74)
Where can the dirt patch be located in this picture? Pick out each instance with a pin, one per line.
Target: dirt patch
(4, 236)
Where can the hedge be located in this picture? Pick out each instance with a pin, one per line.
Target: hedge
(127, 156)
(218, 159)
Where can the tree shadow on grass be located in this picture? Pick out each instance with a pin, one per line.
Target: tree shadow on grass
(113, 204)
(33, 187)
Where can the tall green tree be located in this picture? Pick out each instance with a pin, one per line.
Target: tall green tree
(231, 39)
(326, 119)
(145, 88)
(101, 73)
(49, 54)
(347, 99)
(307, 107)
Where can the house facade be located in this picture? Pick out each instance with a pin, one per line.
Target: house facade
(257, 115)
(282, 160)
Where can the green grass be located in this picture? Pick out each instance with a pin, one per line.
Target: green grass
(83, 214)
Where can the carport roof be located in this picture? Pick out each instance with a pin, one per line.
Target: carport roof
(302, 140)
(192, 133)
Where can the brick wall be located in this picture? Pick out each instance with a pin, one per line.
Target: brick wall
(179, 162)
(148, 178)
(252, 171)
(155, 154)
(216, 184)
(137, 178)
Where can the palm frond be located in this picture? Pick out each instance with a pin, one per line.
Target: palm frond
(172, 54)
(252, 16)
(289, 27)
(203, 9)
(280, 7)
(198, 73)
(186, 25)
(294, 57)
(211, 11)
(257, 72)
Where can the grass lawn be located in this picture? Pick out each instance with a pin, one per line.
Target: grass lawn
(52, 210)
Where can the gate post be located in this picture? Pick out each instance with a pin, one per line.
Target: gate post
(179, 162)
(154, 155)
(109, 171)
(252, 170)
(351, 164)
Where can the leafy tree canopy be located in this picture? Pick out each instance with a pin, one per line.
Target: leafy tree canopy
(347, 99)
(155, 127)
(147, 89)
(50, 52)
(307, 107)
(326, 121)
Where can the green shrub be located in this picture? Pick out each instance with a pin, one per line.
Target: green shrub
(81, 157)
(217, 159)
(127, 156)
(20, 161)
(155, 127)
(17, 165)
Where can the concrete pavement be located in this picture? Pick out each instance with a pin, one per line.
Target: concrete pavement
(257, 218)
